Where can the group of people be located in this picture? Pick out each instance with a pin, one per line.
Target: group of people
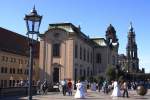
(116, 92)
(117, 89)
(67, 87)
(42, 87)
(81, 88)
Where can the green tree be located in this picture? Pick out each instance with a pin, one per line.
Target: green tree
(99, 78)
(110, 73)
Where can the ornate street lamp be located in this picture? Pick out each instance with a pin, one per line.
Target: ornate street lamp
(33, 21)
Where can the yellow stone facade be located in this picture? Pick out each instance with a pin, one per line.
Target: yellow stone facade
(14, 66)
(79, 56)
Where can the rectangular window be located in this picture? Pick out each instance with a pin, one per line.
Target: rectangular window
(5, 70)
(76, 73)
(2, 83)
(56, 50)
(80, 52)
(13, 83)
(91, 57)
(3, 58)
(21, 71)
(14, 59)
(19, 61)
(2, 69)
(98, 58)
(84, 54)
(6, 59)
(91, 73)
(88, 70)
(84, 72)
(5, 83)
(11, 59)
(10, 71)
(80, 72)
(87, 56)
(14, 71)
(76, 51)
(25, 72)
(10, 83)
(18, 71)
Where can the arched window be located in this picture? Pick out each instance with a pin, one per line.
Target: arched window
(56, 50)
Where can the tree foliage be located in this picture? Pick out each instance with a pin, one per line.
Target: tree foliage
(110, 73)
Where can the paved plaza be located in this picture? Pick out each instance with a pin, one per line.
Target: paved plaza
(91, 95)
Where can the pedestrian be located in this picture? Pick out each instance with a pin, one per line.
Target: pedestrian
(64, 87)
(116, 91)
(80, 93)
(99, 85)
(125, 89)
(93, 86)
(38, 86)
(69, 87)
(105, 87)
(45, 87)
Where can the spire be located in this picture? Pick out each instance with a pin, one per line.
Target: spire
(110, 25)
(33, 11)
(131, 27)
(34, 7)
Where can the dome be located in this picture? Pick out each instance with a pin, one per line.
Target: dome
(111, 28)
(111, 34)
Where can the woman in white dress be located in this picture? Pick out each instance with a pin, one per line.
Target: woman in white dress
(93, 86)
(80, 90)
(116, 91)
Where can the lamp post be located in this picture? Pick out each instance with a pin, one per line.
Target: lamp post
(33, 21)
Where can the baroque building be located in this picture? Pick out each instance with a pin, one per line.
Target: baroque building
(14, 58)
(130, 61)
(67, 53)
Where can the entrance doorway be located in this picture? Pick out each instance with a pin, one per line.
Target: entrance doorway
(56, 75)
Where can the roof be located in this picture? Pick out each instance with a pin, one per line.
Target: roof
(100, 41)
(15, 43)
(71, 29)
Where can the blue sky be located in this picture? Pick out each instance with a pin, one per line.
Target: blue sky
(94, 16)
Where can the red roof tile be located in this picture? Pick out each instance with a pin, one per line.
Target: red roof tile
(16, 43)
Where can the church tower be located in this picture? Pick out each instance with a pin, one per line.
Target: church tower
(113, 45)
(111, 35)
(131, 52)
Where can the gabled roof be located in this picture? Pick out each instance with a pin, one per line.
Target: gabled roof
(71, 29)
(15, 43)
(100, 41)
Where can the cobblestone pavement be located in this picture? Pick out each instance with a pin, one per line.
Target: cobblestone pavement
(91, 95)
